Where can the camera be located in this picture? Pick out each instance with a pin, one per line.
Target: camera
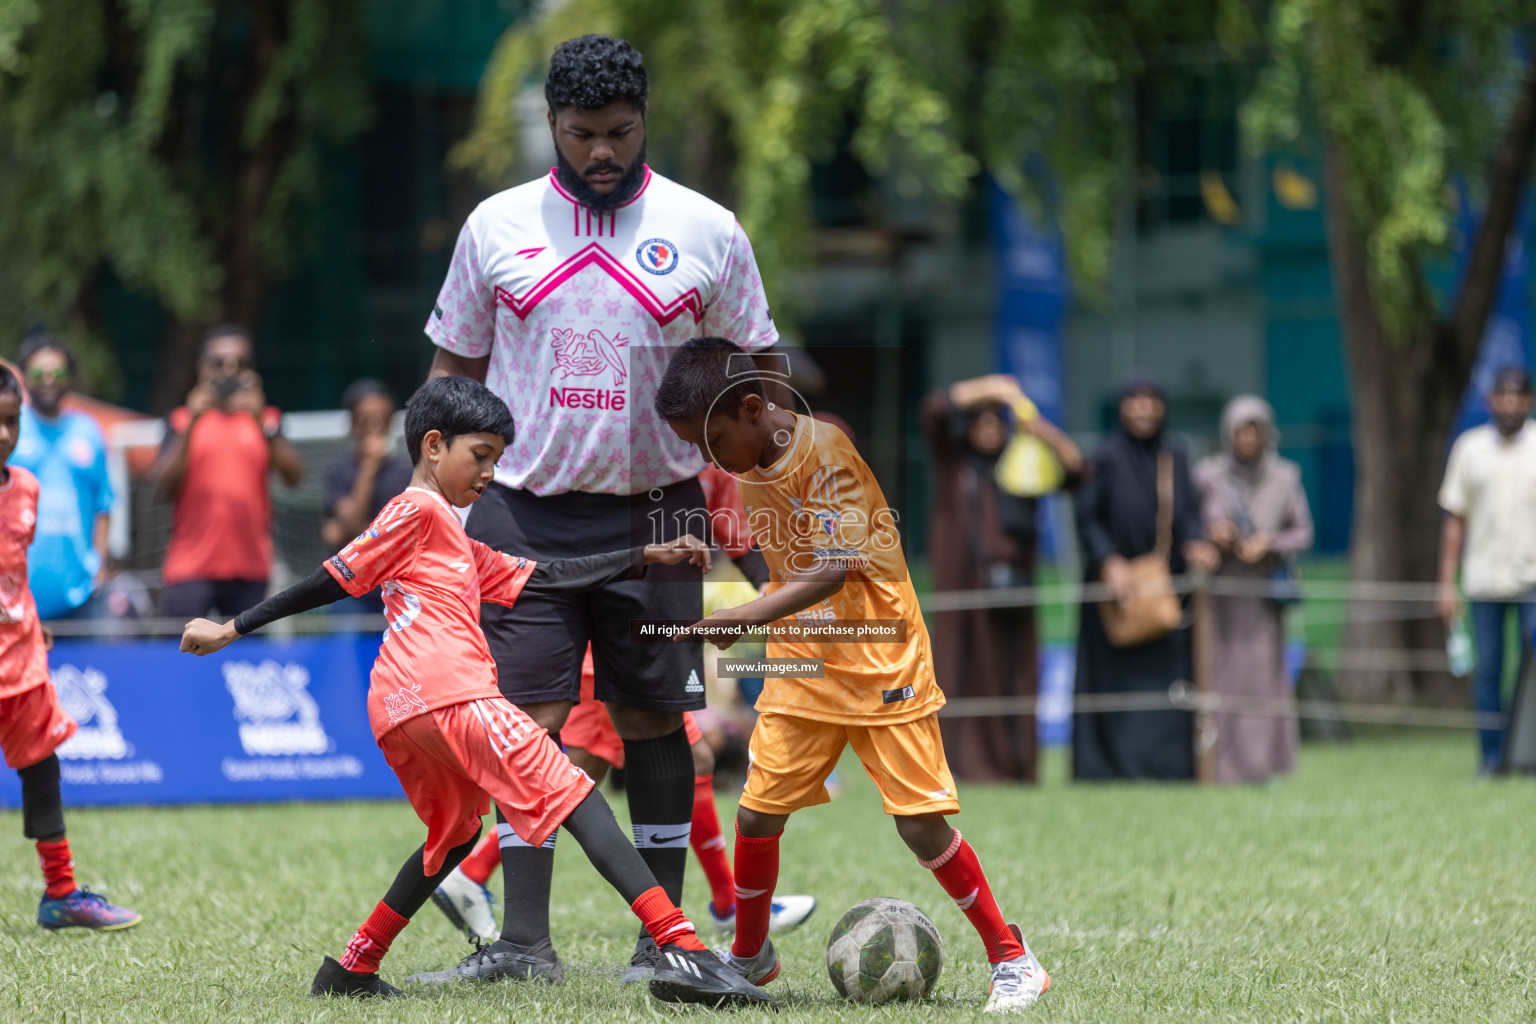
(224, 387)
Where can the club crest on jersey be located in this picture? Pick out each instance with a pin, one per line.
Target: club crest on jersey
(657, 255)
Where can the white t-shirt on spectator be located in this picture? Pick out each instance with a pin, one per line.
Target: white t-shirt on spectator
(579, 312)
(1491, 484)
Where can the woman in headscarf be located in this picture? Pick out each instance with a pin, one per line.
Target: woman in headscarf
(1255, 511)
(1117, 511)
(980, 536)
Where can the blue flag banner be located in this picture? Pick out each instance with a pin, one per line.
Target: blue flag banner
(264, 720)
(1506, 338)
(1031, 299)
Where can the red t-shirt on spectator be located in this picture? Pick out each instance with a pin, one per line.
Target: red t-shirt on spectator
(220, 522)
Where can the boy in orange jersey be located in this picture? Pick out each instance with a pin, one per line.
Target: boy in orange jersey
(593, 745)
(827, 534)
(32, 724)
(452, 739)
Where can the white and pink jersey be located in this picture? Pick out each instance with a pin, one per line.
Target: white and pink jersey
(579, 312)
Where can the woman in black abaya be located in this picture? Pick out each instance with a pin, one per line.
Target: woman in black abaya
(1116, 513)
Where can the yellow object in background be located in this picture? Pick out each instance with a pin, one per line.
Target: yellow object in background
(731, 594)
(1027, 468)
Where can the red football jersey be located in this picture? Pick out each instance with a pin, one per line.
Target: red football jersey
(434, 578)
(23, 661)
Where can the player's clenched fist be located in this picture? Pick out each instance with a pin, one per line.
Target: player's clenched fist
(685, 548)
(202, 637)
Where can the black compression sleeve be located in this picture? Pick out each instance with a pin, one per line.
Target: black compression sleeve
(754, 567)
(319, 589)
(587, 572)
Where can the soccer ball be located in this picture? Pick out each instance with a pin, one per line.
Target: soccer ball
(884, 949)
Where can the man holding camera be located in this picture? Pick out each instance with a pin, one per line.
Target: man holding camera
(219, 450)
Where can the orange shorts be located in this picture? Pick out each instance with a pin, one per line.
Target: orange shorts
(32, 726)
(790, 759)
(589, 727)
(454, 760)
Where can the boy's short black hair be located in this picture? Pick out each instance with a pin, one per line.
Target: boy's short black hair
(454, 406)
(592, 71)
(9, 385)
(40, 340)
(707, 375)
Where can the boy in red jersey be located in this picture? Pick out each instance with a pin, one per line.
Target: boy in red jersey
(443, 726)
(824, 528)
(593, 745)
(32, 724)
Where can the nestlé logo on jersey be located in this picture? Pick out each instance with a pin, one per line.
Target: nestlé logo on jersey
(657, 255)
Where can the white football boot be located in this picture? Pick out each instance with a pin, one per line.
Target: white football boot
(1017, 983)
(789, 913)
(467, 904)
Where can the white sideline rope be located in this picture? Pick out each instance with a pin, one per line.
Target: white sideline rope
(1182, 696)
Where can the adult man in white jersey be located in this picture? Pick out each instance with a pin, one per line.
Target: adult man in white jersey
(566, 295)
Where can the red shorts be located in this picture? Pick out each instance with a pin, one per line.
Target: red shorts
(453, 761)
(589, 727)
(32, 726)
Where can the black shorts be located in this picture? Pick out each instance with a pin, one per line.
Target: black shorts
(538, 643)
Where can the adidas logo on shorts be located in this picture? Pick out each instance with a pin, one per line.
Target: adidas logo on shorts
(695, 685)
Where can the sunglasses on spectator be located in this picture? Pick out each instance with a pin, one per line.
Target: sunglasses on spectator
(39, 376)
(223, 362)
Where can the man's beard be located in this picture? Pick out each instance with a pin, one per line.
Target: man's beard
(595, 201)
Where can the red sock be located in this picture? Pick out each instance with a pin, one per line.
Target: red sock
(757, 871)
(483, 860)
(58, 868)
(959, 872)
(709, 846)
(663, 920)
(372, 940)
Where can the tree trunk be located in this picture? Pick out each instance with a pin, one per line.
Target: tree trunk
(248, 175)
(1405, 396)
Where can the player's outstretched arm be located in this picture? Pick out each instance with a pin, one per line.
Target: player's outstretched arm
(805, 590)
(503, 585)
(202, 637)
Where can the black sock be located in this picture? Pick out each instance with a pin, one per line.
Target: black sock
(592, 825)
(659, 783)
(42, 809)
(526, 875)
(413, 886)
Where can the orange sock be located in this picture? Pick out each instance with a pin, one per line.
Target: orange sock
(483, 860)
(959, 872)
(709, 846)
(663, 920)
(58, 868)
(373, 939)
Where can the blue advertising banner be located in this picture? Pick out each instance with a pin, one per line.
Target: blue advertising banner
(1506, 338)
(265, 720)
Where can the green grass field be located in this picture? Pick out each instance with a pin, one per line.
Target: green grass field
(1381, 884)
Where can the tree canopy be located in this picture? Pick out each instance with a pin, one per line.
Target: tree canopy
(173, 145)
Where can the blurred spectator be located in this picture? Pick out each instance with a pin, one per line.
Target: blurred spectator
(68, 558)
(359, 483)
(1117, 514)
(1489, 498)
(1255, 512)
(218, 450)
(982, 535)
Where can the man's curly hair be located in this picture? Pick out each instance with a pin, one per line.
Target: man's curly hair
(592, 71)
